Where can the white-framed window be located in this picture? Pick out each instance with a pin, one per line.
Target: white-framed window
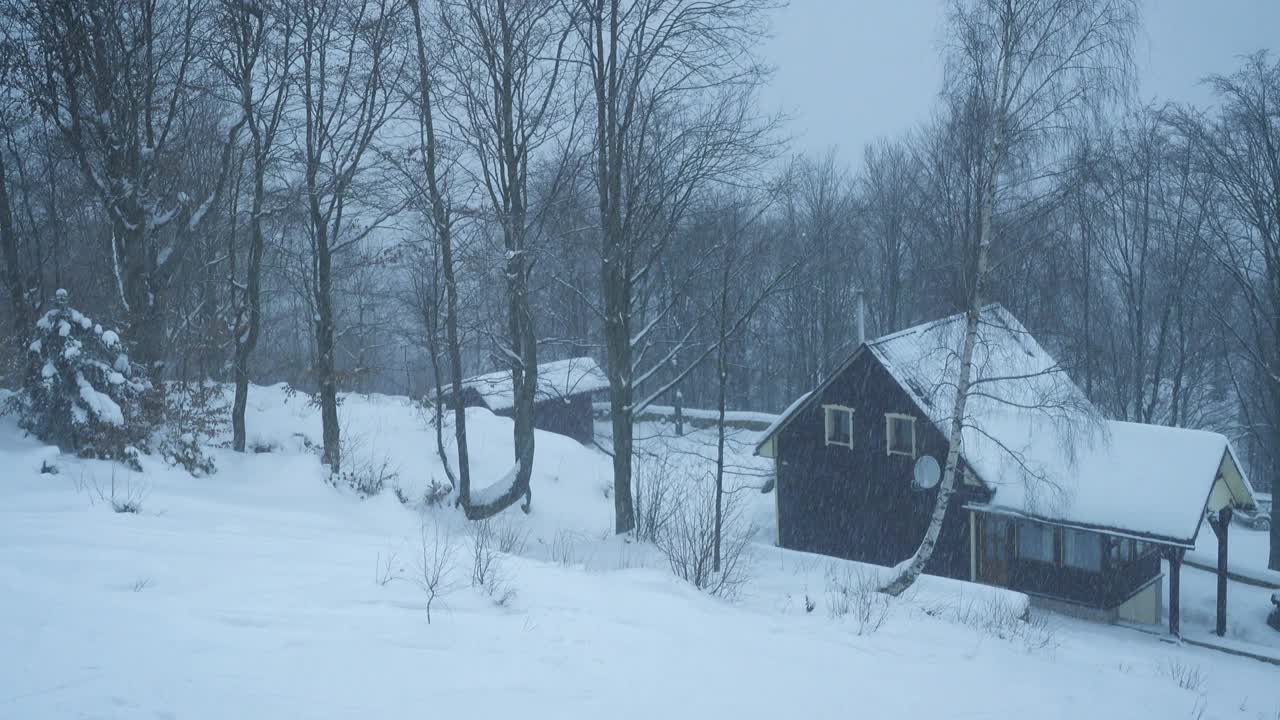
(838, 425)
(900, 434)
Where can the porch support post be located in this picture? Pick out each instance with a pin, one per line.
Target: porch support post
(1221, 524)
(1175, 595)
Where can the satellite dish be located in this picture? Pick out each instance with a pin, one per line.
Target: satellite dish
(927, 473)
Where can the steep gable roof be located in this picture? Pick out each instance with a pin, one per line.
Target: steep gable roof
(1036, 441)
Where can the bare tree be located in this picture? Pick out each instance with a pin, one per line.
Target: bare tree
(441, 214)
(738, 299)
(889, 208)
(1025, 70)
(1242, 152)
(10, 102)
(256, 61)
(507, 62)
(671, 87)
(9, 248)
(1157, 216)
(116, 81)
(817, 316)
(350, 61)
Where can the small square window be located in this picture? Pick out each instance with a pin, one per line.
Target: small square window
(838, 425)
(900, 434)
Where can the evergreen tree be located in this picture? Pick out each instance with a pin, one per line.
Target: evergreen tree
(81, 392)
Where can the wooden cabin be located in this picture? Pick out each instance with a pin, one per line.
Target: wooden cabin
(562, 402)
(1052, 500)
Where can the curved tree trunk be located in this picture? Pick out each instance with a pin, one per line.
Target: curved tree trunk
(908, 573)
(443, 226)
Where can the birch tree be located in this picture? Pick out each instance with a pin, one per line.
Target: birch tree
(1025, 70)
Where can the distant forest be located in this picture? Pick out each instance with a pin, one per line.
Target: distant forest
(380, 195)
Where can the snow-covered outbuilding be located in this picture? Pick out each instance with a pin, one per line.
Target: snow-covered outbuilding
(1053, 500)
(562, 401)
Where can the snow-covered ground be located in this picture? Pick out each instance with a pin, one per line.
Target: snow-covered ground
(1247, 550)
(1247, 604)
(262, 592)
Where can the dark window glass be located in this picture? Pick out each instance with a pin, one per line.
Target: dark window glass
(901, 435)
(1081, 550)
(1035, 542)
(839, 426)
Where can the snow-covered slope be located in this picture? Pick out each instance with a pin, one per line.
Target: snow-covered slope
(258, 593)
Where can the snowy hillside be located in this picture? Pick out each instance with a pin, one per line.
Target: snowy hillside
(262, 592)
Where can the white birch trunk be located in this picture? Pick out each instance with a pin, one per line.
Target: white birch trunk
(908, 572)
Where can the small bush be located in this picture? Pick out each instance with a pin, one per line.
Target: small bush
(654, 495)
(486, 564)
(363, 471)
(369, 479)
(434, 574)
(853, 592)
(1186, 676)
(562, 548)
(80, 391)
(998, 618)
(688, 539)
(436, 493)
(121, 496)
(511, 538)
(194, 413)
(386, 569)
(488, 571)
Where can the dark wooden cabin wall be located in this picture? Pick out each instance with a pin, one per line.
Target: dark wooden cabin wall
(1113, 583)
(859, 503)
(569, 416)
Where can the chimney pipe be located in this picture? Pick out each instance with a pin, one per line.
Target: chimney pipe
(862, 316)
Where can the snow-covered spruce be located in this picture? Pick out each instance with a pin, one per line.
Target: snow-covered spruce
(81, 392)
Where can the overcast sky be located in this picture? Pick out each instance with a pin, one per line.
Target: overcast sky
(851, 71)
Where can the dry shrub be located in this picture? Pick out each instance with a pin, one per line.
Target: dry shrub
(687, 538)
(655, 497)
(1184, 675)
(435, 563)
(488, 571)
(854, 592)
(999, 618)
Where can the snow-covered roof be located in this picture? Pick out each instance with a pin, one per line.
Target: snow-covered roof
(558, 379)
(765, 444)
(1036, 441)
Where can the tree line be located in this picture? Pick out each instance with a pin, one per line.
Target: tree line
(392, 195)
